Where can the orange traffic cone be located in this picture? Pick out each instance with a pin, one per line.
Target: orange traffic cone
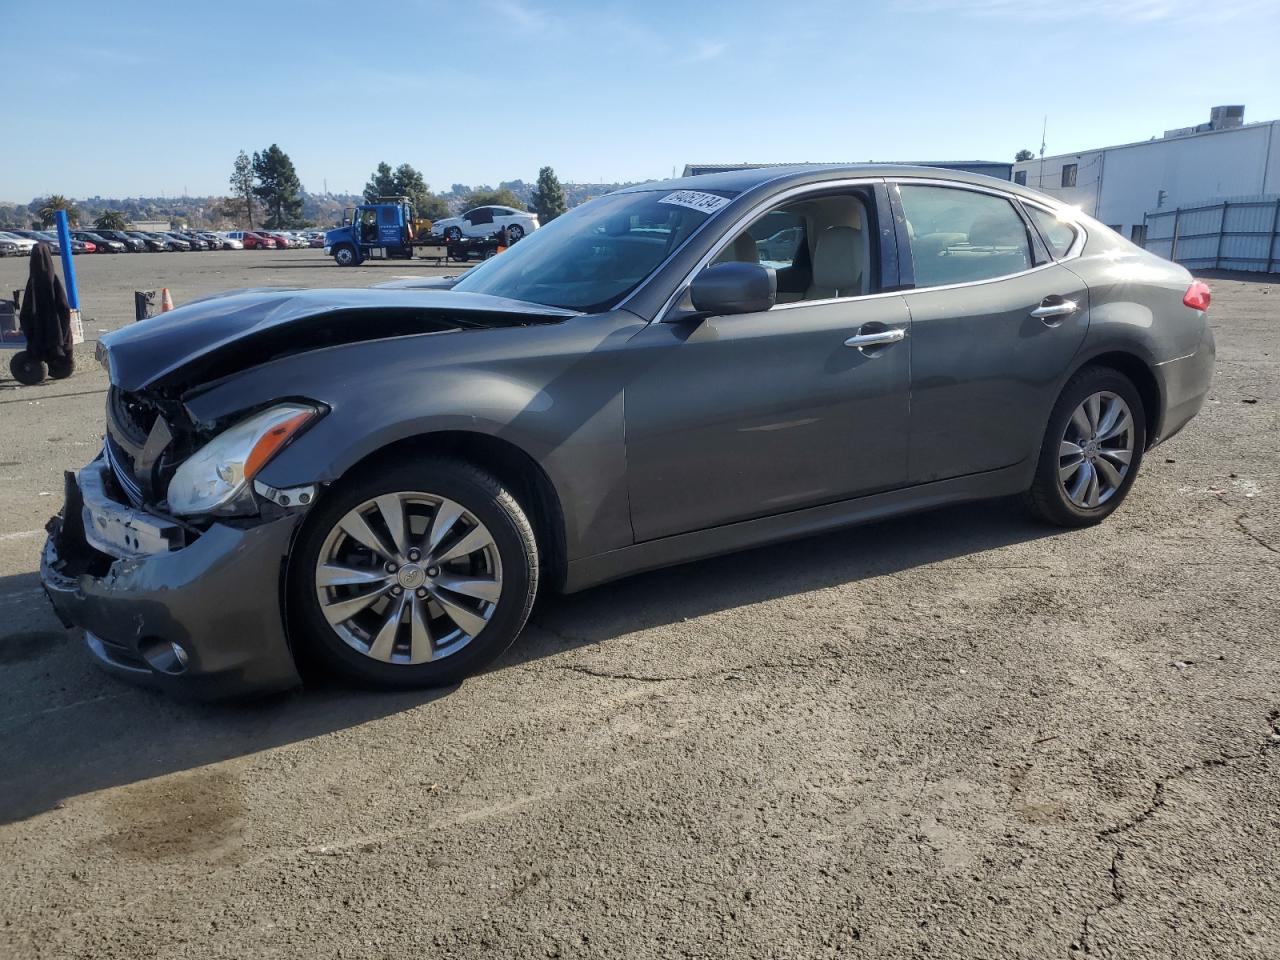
(166, 301)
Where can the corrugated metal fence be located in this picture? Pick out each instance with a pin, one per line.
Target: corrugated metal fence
(1239, 234)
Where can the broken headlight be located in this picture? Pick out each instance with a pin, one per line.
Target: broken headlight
(215, 479)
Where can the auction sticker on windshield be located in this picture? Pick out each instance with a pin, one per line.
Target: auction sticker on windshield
(705, 202)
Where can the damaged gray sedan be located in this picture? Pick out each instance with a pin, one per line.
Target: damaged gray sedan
(382, 480)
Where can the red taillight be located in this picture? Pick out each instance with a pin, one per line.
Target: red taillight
(1197, 296)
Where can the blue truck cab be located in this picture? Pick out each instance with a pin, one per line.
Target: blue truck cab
(382, 229)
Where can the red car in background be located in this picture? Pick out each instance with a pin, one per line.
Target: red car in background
(282, 241)
(253, 240)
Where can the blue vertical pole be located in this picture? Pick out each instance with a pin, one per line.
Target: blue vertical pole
(68, 266)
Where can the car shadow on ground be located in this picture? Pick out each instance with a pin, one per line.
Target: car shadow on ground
(68, 729)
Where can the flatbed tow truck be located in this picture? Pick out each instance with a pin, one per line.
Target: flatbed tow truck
(387, 229)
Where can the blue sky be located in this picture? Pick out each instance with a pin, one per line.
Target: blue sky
(149, 98)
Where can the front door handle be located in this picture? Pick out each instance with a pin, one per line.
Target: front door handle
(1059, 307)
(877, 339)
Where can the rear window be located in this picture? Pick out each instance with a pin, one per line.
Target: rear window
(1058, 234)
(960, 236)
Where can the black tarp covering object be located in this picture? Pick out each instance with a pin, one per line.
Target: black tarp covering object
(46, 314)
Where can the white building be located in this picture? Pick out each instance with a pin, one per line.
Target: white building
(1223, 158)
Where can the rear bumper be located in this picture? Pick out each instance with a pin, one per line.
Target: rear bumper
(1185, 383)
(204, 620)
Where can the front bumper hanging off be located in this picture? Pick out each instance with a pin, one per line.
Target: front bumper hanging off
(198, 613)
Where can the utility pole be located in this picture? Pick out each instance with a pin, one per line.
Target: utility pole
(1043, 130)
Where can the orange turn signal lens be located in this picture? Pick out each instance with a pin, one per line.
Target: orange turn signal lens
(269, 443)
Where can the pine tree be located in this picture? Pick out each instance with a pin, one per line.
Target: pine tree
(278, 187)
(382, 183)
(242, 184)
(548, 196)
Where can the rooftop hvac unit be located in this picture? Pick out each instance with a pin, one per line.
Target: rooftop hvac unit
(1226, 117)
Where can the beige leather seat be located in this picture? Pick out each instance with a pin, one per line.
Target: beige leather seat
(742, 250)
(838, 264)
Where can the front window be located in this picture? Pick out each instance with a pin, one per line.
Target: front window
(597, 253)
(820, 247)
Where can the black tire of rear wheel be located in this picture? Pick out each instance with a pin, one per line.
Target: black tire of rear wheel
(62, 367)
(479, 493)
(1046, 499)
(26, 369)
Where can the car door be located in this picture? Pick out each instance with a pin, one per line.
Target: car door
(735, 417)
(995, 323)
(478, 222)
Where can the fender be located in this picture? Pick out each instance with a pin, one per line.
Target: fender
(548, 391)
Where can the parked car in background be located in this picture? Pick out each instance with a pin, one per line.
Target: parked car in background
(77, 246)
(215, 241)
(131, 243)
(40, 236)
(22, 245)
(154, 243)
(315, 238)
(486, 221)
(191, 239)
(283, 240)
(252, 239)
(171, 243)
(229, 242)
(8, 245)
(101, 244)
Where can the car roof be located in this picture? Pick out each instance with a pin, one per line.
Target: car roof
(740, 181)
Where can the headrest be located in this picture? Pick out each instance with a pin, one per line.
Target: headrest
(997, 231)
(837, 260)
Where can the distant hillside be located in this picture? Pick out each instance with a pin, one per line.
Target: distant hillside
(222, 213)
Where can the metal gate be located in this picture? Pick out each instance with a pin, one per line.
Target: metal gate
(1229, 235)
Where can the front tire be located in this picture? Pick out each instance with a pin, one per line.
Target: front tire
(1092, 449)
(345, 256)
(413, 575)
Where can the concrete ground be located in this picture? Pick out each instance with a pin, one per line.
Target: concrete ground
(955, 735)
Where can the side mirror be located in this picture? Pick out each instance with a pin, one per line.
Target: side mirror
(727, 288)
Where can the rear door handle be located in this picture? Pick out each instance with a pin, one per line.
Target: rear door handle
(877, 339)
(1061, 307)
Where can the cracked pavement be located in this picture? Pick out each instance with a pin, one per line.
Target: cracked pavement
(958, 734)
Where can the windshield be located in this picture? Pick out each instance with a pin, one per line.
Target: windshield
(596, 254)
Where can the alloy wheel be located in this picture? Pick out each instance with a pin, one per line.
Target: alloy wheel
(408, 577)
(1096, 449)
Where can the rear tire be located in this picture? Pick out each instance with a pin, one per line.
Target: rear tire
(420, 631)
(62, 367)
(515, 232)
(1092, 450)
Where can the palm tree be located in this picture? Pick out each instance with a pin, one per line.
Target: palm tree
(111, 220)
(49, 210)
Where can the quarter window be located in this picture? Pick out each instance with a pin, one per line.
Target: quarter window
(820, 247)
(1069, 174)
(1058, 234)
(959, 236)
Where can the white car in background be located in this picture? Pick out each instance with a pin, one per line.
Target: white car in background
(486, 221)
(23, 245)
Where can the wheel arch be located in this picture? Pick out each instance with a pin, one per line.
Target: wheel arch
(1143, 376)
(510, 465)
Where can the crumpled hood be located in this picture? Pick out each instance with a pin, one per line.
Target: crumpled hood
(244, 328)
